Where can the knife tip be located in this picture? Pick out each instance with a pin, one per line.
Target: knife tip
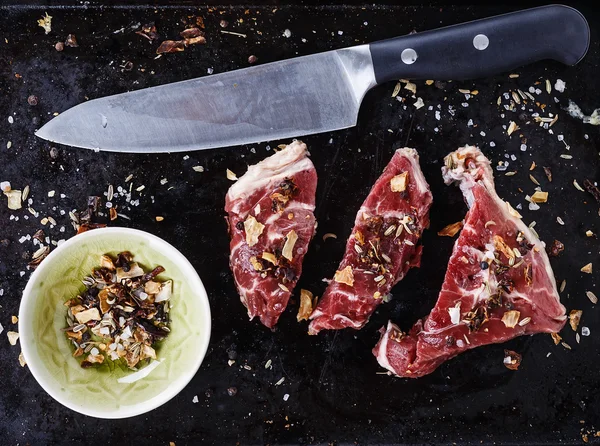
(40, 133)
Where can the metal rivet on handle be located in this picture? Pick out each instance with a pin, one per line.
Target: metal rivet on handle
(409, 56)
(481, 42)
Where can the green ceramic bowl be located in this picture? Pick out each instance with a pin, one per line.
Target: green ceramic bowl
(111, 392)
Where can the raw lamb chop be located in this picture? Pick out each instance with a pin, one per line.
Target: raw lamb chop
(382, 246)
(271, 222)
(499, 283)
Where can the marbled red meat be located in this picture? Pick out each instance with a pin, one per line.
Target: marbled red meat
(383, 245)
(499, 283)
(271, 222)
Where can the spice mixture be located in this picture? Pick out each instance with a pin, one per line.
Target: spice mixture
(121, 314)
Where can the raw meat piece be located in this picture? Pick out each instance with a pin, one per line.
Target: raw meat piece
(271, 222)
(382, 246)
(499, 283)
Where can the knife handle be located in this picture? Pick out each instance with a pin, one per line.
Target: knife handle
(484, 47)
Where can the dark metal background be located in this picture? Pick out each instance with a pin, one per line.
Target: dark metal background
(334, 392)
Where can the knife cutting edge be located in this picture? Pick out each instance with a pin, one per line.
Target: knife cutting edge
(315, 93)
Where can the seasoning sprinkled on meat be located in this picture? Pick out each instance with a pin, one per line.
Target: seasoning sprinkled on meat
(382, 248)
(271, 222)
(499, 283)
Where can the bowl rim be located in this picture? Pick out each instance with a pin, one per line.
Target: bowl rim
(26, 312)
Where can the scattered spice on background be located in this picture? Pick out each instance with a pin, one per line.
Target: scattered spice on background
(46, 23)
(71, 41)
(512, 360)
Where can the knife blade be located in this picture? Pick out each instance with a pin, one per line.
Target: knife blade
(316, 93)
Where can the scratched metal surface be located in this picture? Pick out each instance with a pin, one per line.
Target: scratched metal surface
(335, 393)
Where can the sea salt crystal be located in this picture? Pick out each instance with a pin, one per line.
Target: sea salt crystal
(492, 144)
(286, 397)
(585, 331)
(470, 123)
(186, 157)
(513, 157)
(523, 147)
(519, 206)
(340, 33)
(465, 104)
(1, 291)
(482, 133)
(560, 137)
(586, 136)
(10, 120)
(210, 71)
(560, 85)
(287, 33)
(195, 399)
(21, 273)
(1, 328)
(531, 90)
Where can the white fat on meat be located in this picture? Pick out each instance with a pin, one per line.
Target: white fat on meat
(284, 164)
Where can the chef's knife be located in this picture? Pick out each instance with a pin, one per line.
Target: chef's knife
(317, 93)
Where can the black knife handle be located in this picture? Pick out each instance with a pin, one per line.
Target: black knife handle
(484, 47)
